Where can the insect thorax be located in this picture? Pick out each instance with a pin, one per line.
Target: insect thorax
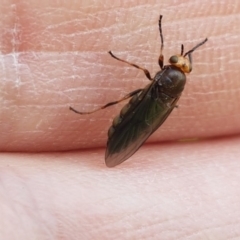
(170, 81)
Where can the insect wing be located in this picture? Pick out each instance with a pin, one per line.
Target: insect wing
(140, 121)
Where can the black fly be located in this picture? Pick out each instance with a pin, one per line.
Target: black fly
(148, 108)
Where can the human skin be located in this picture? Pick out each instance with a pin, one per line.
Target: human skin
(55, 56)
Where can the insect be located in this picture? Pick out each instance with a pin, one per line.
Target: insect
(149, 107)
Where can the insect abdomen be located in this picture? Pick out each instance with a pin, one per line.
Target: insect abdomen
(118, 119)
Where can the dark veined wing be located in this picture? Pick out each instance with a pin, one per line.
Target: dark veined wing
(141, 120)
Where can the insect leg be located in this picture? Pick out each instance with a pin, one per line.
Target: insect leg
(161, 57)
(146, 72)
(110, 103)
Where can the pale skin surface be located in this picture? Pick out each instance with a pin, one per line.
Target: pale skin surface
(56, 56)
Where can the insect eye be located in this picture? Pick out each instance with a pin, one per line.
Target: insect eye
(173, 59)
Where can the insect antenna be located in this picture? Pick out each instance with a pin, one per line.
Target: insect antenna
(182, 50)
(193, 49)
(189, 53)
